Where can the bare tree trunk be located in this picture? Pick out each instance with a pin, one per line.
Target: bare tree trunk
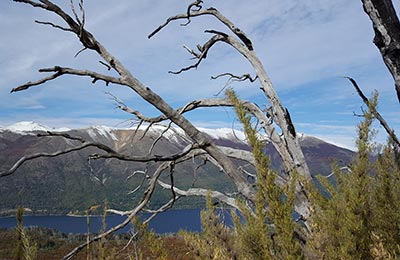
(387, 35)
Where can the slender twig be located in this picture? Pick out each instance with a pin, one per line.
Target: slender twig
(33, 3)
(197, 4)
(80, 51)
(145, 176)
(145, 199)
(206, 47)
(72, 5)
(105, 64)
(210, 11)
(376, 114)
(236, 78)
(154, 213)
(61, 134)
(156, 158)
(165, 130)
(54, 26)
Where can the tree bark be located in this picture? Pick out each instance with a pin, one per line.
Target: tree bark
(387, 35)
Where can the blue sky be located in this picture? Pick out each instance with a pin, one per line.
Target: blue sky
(307, 46)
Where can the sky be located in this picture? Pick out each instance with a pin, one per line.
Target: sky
(306, 46)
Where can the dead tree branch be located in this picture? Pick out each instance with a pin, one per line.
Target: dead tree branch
(54, 25)
(290, 149)
(59, 71)
(156, 158)
(202, 144)
(376, 114)
(263, 118)
(145, 199)
(197, 4)
(61, 134)
(145, 176)
(26, 158)
(202, 193)
(233, 78)
(203, 55)
(213, 12)
(236, 78)
(386, 25)
(33, 3)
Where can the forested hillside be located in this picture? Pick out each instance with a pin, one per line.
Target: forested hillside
(70, 182)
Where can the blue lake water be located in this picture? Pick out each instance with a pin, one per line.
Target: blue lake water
(167, 222)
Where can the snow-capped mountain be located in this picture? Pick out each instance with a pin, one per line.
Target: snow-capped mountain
(172, 134)
(70, 181)
(119, 136)
(138, 141)
(26, 127)
(30, 127)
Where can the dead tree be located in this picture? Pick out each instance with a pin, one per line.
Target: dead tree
(275, 120)
(386, 26)
(387, 35)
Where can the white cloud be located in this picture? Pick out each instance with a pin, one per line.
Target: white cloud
(301, 43)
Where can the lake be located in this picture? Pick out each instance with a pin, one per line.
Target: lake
(170, 221)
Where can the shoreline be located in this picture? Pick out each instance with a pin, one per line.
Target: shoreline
(42, 213)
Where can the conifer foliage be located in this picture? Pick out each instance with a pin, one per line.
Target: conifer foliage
(357, 217)
(271, 223)
(360, 218)
(266, 229)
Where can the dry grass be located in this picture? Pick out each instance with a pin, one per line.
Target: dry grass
(55, 246)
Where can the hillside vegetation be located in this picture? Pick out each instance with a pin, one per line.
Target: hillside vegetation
(71, 183)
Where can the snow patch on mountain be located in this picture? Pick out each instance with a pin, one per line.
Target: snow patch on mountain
(224, 133)
(26, 127)
(313, 140)
(172, 134)
(104, 131)
(304, 138)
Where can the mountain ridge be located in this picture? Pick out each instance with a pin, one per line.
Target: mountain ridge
(26, 127)
(71, 182)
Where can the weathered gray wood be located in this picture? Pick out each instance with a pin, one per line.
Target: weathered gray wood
(377, 115)
(387, 35)
(287, 145)
(276, 123)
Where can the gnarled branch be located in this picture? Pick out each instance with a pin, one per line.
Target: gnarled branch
(59, 71)
(235, 77)
(210, 11)
(26, 158)
(145, 199)
(203, 55)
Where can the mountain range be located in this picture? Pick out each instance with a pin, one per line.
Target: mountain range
(70, 182)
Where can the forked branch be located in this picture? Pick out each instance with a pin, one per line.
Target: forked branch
(203, 55)
(199, 192)
(143, 202)
(54, 25)
(59, 71)
(236, 78)
(210, 11)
